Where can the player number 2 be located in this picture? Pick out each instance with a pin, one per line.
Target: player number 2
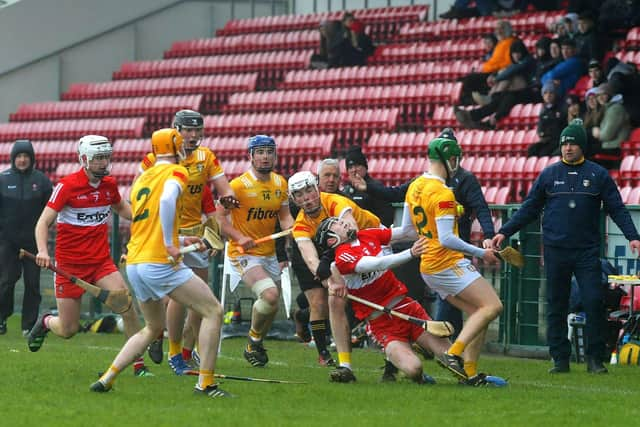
(144, 192)
(421, 221)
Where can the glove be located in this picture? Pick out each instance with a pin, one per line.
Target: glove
(323, 272)
(229, 202)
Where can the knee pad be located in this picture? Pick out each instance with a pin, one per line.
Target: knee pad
(261, 305)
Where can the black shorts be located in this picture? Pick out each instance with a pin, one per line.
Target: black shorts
(306, 279)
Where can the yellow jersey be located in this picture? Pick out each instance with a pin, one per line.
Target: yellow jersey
(304, 227)
(428, 198)
(260, 203)
(202, 165)
(146, 244)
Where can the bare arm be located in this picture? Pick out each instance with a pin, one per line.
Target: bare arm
(226, 196)
(227, 228)
(123, 209)
(47, 218)
(285, 218)
(309, 254)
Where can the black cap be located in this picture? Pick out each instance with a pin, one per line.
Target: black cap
(355, 157)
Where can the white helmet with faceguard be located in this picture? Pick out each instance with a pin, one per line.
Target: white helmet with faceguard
(95, 147)
(301, 183)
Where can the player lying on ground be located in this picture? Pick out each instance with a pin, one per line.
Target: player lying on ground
(314, 207)
(364, 259)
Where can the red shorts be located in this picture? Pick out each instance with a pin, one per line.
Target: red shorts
(88, 272)
(386, 328)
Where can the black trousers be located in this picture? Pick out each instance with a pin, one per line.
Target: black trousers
(585, 264)
(473, 82)
(11, 268)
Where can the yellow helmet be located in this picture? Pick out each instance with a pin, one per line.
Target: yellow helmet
(629, 354)
(168, 142)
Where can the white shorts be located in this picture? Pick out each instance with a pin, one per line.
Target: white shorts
(196, 259)
(244, 263)
(154, 281)
(453, 280)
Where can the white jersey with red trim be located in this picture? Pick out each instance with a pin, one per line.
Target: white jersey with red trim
(379, 287)
(83, 216)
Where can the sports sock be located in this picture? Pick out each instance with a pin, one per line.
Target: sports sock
(186, 353)
(138, 363)
(174, 348)
(108, 377)
(319, 332)
(45, 321)
(254, 336)
(456, 348)
(205, 379)
(471, 368)
(344, 359)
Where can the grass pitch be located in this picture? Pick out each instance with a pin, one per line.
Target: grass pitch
(51, 388)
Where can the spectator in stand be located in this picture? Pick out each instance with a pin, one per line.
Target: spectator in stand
(332, 38)
(342, 43)
(574, 108)
(489, 41)
(565, 27)
(555, 51)
(357, 167)
(361, 45)
(588, 43)
(550, 123)
(566, 73)
(625, 80)
(614, 127)
(461, 9)
(544, 62)
(510, 86)
(500, 59)
(617, 15)
(596, 74)
(592, 116)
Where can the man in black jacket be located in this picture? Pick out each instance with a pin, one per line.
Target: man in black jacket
(357, 167)
(24, 192)
(569, 194)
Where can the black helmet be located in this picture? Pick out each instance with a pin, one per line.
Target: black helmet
(188, 118)
(324, 234)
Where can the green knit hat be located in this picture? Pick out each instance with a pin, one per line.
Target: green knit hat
(575, 134)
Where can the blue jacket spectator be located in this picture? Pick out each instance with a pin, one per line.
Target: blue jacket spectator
(566, 74)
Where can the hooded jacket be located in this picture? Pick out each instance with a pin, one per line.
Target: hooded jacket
(615, 126)
(23, 196)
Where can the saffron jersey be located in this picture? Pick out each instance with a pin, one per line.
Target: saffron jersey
(260, 203)
(83, 216)
(304, 227)
(202, 165)
(427, 199)
(147, 243)
(379, 287)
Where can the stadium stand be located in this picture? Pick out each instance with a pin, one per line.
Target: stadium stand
(254, 76)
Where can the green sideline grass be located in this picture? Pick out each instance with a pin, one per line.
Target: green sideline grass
(51, 388)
